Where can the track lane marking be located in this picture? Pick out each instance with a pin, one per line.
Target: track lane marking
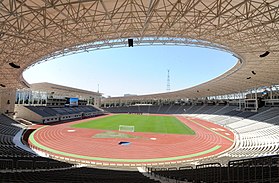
(65, 154)
(210, 129)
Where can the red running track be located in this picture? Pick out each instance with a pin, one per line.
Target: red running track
(143, 150)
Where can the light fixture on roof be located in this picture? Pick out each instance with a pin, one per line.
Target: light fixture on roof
(264, 54)
(14, 65)
(130, 42)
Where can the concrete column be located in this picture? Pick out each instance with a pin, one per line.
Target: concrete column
(256, 98)
(271, 93)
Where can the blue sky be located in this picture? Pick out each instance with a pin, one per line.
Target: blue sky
(134, 70)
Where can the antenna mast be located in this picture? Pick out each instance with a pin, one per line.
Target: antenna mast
(168, 81)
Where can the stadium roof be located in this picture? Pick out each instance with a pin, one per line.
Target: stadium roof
(33, 31)
(62, 90)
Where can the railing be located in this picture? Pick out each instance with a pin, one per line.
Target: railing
(262, 169)
(11, 164)
(272, 102)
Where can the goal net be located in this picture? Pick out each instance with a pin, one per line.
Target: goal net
(126, 128)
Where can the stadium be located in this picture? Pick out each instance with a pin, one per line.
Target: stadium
(223, 130)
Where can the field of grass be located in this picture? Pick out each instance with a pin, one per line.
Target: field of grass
(142, 123)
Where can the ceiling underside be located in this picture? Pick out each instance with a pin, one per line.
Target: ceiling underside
(36, 30)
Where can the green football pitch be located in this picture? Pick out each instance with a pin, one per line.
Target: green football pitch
(141, 123)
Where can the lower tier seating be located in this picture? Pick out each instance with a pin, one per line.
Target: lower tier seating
(263, 169)
(252, 138)
(75, 175)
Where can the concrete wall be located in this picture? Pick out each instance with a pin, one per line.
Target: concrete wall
(97, 101)
(7, 101)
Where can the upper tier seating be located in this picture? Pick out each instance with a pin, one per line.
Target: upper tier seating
(54, 111)
(212, 109)
(42, 111)
(269, 114)
(54, 114)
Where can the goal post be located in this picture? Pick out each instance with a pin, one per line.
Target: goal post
(126, 128)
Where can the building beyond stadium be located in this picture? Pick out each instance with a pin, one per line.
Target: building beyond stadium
(46, 102)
